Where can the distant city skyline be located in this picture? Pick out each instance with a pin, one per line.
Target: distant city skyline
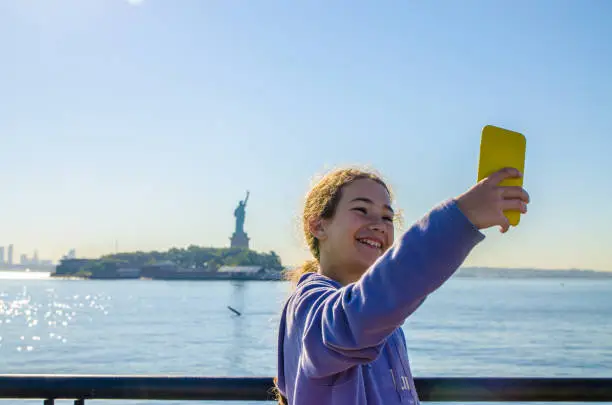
(144, 122)
(25, 258)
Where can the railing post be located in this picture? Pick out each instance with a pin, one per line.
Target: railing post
(79, 401)
(49, 401)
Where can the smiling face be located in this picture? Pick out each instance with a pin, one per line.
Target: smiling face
(358, 233)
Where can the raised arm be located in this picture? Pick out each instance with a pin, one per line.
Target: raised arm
(349, 325)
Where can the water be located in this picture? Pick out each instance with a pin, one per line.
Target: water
(470, 327)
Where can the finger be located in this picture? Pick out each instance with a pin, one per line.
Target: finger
(503, 174)
(511, 192)
(514, 205)
(505, 225)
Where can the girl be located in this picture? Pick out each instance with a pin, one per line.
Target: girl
(340, 338)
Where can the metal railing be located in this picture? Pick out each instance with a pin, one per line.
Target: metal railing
(84, 387)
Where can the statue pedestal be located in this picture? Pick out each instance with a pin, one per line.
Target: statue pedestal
(240, 240)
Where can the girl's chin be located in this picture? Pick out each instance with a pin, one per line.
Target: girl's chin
(367, 260)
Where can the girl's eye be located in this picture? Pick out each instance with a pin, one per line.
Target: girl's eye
(386, 218)
(361, 209)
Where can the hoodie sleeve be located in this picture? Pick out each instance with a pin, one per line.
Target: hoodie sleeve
(347, 326)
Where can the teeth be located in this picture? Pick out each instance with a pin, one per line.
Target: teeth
(371, 243)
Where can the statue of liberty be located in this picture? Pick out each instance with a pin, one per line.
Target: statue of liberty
(240, 214)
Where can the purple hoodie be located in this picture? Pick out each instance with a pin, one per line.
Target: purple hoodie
(344, 345)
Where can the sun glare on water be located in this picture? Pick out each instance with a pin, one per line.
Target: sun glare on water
(24, 275)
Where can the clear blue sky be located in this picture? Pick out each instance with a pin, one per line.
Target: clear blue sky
(146, 121)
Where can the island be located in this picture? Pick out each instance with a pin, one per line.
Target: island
(191, 263)
(236, 262)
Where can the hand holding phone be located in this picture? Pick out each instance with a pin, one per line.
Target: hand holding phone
(499, 197)
(501, 148)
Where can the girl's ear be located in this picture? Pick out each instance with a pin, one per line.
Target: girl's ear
(317, 228)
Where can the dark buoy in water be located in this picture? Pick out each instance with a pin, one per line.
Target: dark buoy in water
(233, 310)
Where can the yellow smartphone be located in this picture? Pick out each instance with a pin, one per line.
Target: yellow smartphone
(501, 148)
